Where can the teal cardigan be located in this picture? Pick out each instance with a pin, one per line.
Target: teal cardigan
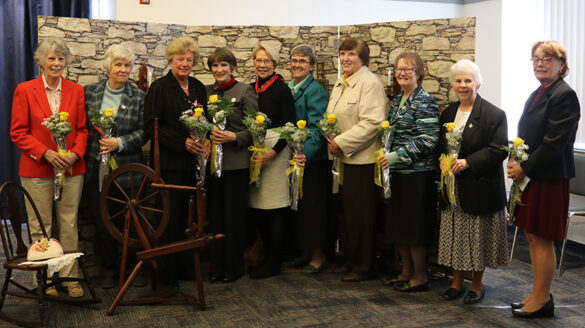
(310, 104)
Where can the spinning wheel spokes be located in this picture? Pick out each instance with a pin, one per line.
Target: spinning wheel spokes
(131, 184)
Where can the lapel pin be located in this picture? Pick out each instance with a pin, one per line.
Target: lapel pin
(470, 125)
(234, 99)
(123, 107)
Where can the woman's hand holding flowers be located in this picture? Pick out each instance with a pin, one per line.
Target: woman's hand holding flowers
(220, 137)
(108, 145)
(515, 171)
(459, 165)
(57, 161)
(383, 162)
(265, 158)
(300, 159)
(193, 146)
(333, 147)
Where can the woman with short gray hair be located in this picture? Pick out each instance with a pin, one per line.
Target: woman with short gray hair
(34, 101)
(125, 143)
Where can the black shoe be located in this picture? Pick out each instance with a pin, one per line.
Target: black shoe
(264, 271)
(108, 282)
(546, 311)
(215, 277)
(406, 287)
(391, 281)
(139, 281)
(229, 278)
(346, 268)
(473, 297)
(453, 293)
(520, 305)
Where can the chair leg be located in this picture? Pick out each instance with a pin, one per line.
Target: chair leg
(81, 263)
(7, 278)
(513, 244)
(41, 286)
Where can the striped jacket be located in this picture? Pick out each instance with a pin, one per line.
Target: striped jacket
(128, 127)
(416, 131)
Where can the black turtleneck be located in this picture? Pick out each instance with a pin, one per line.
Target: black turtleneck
(277, 102)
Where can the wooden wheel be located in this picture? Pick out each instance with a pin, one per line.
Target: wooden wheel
(130, 184)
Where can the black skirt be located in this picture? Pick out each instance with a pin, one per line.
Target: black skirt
(411, 212)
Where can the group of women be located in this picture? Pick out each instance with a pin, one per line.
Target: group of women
(472, 228)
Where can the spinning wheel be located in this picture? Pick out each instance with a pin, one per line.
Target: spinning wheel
(135, 208)
(152, 205)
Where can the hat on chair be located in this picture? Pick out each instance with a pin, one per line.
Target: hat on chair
(44, 249)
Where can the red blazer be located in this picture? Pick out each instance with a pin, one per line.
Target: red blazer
(29, 107)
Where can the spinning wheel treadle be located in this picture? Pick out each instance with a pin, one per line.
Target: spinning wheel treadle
(152, 205)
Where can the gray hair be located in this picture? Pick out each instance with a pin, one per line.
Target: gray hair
(304, 51)
(465, 66)
(51, 44)
(270, 51)
(115, 52)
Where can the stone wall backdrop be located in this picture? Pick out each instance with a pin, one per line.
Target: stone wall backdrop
(439, 42)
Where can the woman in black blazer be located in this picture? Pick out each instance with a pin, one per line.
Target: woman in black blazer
(548, 126)
(166, 99)
(473, 231)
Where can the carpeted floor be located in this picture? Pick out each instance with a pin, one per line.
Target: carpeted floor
(295, 300)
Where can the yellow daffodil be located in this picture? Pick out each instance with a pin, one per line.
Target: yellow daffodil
(213, 99)
(451, 127)
(63, 116)
(109, 112)
(385, 124)
(301, 124)
(198, 112)
(331, 118)
(259, 120)
(518, 142)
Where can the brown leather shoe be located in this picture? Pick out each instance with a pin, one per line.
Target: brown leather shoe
(75, 290)
(355, 276)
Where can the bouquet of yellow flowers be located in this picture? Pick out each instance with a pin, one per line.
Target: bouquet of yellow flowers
(519, 155)
(382, 176)
(330, 128)
(103, 122)
(59, 127)
(257, 123)
(295, 136)
(219, 108)
(198, 127)
(454, 136)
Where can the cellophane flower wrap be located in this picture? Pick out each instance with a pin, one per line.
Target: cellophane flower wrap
(103, 121)
(219, 109)
(257, 124)
(517, 154)
(329, 127)
(59, 127)
(454, 136)
(382, 176)
(194, 119)
(295, 136)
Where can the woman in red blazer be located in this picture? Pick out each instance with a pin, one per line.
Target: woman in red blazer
(34, 101)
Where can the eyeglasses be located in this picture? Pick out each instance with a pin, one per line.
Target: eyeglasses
(545, 60)
(299, 61)
(405, 70)
(262, 61)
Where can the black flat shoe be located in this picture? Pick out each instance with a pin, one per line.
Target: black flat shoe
(520, 305)
(453, 293)
(215, 278)
(391, 281)
(406, 287)
(473, 297)
(229, 278)
(546, 311)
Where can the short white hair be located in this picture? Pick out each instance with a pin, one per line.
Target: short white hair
(465, 66)
(51, 44)
(115, 52)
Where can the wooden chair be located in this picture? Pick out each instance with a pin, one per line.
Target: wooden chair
(13, 225)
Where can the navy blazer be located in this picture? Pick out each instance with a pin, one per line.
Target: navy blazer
(128, 125)
(549, 129)
(481, 187)
(166, 101)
